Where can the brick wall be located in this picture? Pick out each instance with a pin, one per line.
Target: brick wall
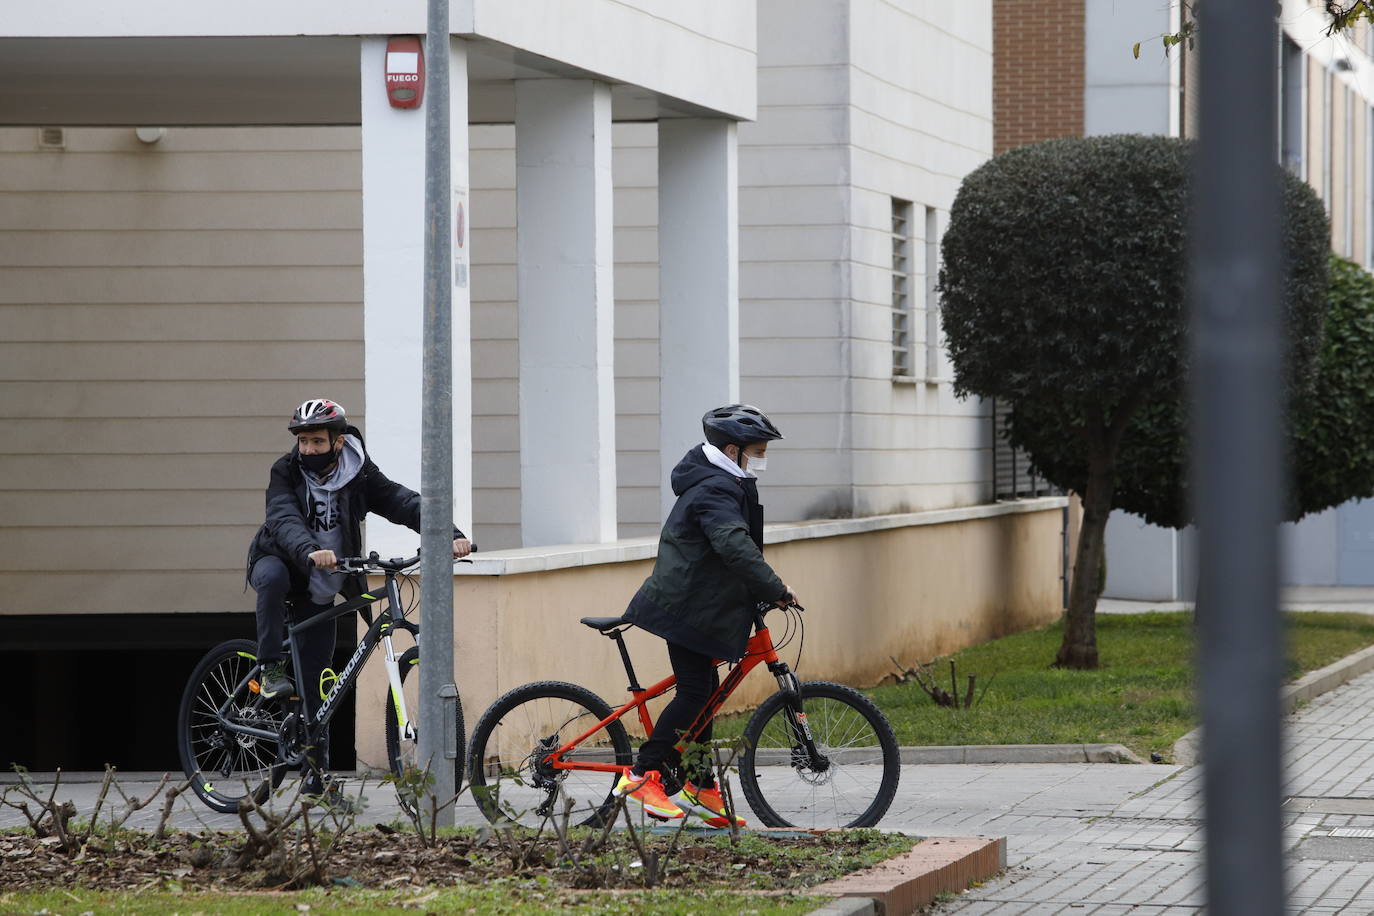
(1037, 71)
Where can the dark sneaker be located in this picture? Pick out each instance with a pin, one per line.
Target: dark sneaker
(275, 681)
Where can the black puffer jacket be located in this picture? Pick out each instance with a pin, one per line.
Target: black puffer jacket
(710, 573)
(288, 532)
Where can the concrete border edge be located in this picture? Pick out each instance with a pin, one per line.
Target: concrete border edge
(1188, 749)
(905, 883)
(1019, 753)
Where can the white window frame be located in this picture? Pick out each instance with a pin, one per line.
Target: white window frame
(902, 348)
(932, 293)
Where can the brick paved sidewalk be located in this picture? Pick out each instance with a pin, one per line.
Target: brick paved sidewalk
(1141, 853)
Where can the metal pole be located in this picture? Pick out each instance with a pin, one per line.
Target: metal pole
(1238, 356)
(437, 691)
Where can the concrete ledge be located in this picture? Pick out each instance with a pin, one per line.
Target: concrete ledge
(1020, 753)
(564, 556)
(904, 884)
(1188, 749)
(848, 906)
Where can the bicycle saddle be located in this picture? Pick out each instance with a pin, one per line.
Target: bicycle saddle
(602, 624)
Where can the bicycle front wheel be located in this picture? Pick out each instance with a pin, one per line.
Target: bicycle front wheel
(507, 767)
(226, 765)
(401, 752)
(850, 780)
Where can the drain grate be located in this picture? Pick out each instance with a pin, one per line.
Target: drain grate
(1362, 833)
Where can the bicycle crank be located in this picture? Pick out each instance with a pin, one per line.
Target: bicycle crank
(291, 746)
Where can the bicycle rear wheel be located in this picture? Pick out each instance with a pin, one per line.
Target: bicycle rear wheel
(851, 781)
(225, 766)
(401, 752)
(510, 780)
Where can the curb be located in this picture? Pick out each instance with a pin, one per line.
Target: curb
(1188, 749)
(1020, 753)
(905, 883)
(848, 906)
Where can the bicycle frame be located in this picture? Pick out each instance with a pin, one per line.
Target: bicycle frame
(758, 651)
(392, 617)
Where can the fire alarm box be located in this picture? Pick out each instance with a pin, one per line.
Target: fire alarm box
(405, 71)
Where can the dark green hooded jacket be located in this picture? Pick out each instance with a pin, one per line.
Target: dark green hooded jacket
(710, 573)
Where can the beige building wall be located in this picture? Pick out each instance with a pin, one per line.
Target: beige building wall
(913, 592)
(162, 308)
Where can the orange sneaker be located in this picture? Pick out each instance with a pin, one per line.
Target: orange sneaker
(647, 791)
(706, 804)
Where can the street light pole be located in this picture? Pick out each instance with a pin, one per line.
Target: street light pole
(438, 693)
(1238, 359)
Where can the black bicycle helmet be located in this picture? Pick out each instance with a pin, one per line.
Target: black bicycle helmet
(318, 413)
(738, 424)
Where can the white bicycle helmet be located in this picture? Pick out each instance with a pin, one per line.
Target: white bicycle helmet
(318, 413)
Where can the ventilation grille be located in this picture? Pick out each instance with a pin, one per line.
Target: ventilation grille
(52, 138)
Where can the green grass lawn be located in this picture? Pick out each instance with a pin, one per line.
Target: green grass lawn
(1141, 696)
(516, 898)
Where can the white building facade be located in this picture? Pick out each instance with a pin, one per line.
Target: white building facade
(658, 209)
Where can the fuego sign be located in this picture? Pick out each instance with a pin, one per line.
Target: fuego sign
(405, 71)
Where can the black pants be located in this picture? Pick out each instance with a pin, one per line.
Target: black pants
(315, 645)
(697, 679)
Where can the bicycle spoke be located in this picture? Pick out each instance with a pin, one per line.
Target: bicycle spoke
(229, 763)
(851, 779)
(511, 745)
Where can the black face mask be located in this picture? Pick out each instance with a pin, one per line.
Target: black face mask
(317, 463)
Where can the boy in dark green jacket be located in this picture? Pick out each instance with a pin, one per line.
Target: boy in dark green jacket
(709, 578)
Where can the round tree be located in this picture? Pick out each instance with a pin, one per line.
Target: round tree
(1064, 268)
(1331, 443)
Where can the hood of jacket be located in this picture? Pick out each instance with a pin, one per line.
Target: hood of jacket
(693, 469)
(350, 462)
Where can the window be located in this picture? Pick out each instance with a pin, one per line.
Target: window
(1013, 477)
(1369, 187)
(901, 288)
(1292, 110)
(1327, 152)
(932, 295)
(1349, 176)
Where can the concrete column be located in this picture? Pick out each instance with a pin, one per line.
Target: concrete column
(393, 160)
(565, 270)
(698, 252)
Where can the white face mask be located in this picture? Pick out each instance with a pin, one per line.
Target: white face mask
(755, 464)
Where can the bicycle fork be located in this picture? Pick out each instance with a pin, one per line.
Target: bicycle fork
(404, 727)
(805, 753)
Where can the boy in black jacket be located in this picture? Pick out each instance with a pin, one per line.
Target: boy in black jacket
(317, 497)
(709, 577)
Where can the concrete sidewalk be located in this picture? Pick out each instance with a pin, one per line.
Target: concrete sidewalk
(1142, 851)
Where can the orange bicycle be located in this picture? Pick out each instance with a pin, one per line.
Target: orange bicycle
(815, 754)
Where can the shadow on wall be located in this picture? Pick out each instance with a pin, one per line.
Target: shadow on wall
(1005, 549)
(833, 504)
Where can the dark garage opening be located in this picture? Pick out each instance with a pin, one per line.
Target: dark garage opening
(106, 689)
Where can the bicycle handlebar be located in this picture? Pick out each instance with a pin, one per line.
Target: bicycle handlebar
(766, 606)
(374, 563)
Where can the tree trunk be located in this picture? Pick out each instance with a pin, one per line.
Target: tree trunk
(1079, 648)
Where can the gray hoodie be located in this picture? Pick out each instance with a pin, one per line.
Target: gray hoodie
(325, 583)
